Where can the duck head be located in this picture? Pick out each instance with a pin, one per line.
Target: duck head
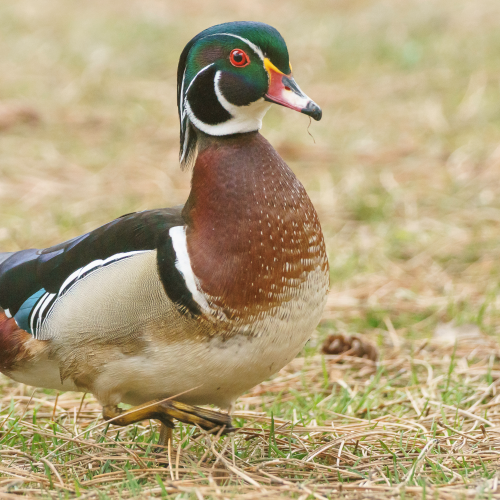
(227, 78)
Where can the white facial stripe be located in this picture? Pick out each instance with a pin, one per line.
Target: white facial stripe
(184, 108)
(183, 265)
(256, 49)
(181, 100)
(244, 118)
(197, 74)
(185, 145)
(230, 108)
(7, 313)
(183, 96)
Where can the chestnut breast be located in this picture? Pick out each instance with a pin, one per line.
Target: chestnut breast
(253, 234)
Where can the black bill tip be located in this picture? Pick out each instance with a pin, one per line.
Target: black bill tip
(313, 110)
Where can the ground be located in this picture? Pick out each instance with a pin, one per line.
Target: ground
(403, 170)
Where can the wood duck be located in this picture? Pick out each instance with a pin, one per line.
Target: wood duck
(190, 305)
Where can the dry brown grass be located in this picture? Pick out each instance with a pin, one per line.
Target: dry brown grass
(426, 421)
(404, 174)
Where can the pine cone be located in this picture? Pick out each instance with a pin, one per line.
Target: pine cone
(12, 114)
(351, 345)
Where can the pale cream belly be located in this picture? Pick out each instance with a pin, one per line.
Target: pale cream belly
(146, 350)
(210, 373)
(213, 372)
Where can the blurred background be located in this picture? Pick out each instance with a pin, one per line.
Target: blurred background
(403, 169)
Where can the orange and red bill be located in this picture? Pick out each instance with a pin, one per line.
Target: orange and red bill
(284, 90)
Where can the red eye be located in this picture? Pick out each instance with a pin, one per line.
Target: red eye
(239, 58)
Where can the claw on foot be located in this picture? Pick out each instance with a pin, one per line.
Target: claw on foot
(166, 412)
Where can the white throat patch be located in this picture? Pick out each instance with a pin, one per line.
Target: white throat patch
(244, 118)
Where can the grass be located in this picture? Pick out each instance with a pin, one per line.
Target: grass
(404, 174)
(422, 420)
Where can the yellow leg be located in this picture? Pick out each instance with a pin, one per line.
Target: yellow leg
(165, 412)
(166, 435)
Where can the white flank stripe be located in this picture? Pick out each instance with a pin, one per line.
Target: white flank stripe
(92, 265)
(72, 279)
(7, 313)
(46, 302)
(35, 310)
(123, 255)
(183, 264)
(95, 264)
(69, 279)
